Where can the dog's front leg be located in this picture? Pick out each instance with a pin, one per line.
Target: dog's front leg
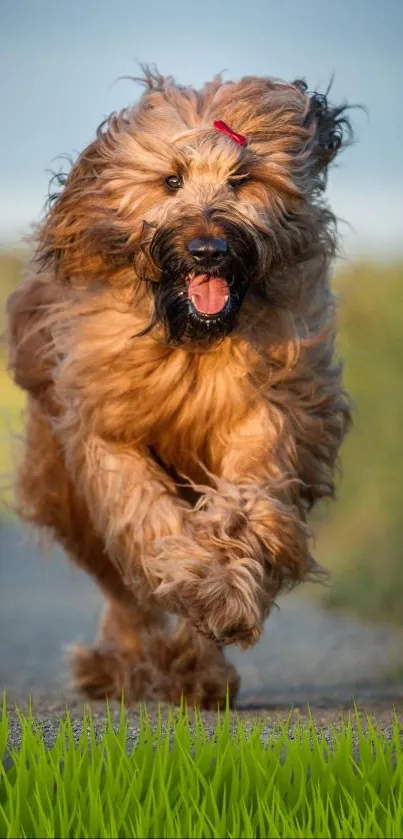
(132, 504)
(152, 535)
(156, 542)
(249, 541)
(220, 565)
(163, 548)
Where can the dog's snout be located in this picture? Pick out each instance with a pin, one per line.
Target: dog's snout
(207, 249)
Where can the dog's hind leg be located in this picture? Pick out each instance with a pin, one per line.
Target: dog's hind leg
(154, 663)
(116, 665)
(46, 498)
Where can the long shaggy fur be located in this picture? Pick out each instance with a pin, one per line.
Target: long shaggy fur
(174, 456)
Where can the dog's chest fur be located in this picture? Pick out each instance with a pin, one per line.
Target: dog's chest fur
(189, 407)
(183, 403)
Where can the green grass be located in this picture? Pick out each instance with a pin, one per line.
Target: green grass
(362, 536)
(12, 403)
(12, 400)
(181, 783)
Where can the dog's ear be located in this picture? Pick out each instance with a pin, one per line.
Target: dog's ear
(78, 234)
(328, 125)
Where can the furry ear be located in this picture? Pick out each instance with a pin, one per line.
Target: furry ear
(62, 239)
(328, 125)
(79, 238)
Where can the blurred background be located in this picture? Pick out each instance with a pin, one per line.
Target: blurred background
(60, 64)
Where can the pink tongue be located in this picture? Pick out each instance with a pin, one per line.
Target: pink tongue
(208, 294)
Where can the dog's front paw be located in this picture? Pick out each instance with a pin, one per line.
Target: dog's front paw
(223, 600)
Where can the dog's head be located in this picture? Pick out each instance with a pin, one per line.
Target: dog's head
(201, 199)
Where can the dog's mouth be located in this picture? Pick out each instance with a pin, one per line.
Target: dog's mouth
(208, 295)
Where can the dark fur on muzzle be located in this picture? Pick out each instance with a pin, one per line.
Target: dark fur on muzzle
(238, 266)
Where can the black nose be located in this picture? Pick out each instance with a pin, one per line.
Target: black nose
(207, 249)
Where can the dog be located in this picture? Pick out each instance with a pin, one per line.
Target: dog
(175, 334)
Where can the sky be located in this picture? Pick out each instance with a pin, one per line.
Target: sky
(60, 64)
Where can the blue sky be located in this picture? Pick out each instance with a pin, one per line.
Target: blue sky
(60, 61)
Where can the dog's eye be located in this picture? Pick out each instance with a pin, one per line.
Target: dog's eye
(173, 182)
(238, 179)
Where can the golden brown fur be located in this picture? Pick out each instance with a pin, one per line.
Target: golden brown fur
(180, 474)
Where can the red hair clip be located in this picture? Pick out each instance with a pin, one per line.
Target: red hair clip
(222, 126)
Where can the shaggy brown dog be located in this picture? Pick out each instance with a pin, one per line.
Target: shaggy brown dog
(176, 339)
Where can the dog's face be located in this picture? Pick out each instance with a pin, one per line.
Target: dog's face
(203, 197)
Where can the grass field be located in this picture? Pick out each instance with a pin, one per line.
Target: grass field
(11, 398)
(12, 403)
(361, 537)
(179, 782)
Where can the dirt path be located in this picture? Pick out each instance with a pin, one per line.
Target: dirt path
(305, 655)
